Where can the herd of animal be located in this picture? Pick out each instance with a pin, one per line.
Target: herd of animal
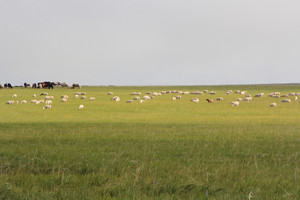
(236, 102)
(44, 85)
(176, 95)
(47, 99)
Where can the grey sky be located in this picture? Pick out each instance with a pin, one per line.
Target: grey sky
(150, 42)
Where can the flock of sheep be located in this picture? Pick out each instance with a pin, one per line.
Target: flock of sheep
(47, 100)
(177, 95)
(236, 102)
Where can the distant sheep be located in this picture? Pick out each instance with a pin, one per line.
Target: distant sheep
(83, 93)
(33, 101)
(219, 99)
(235, 103)
(10, 102)
(178, 97)
(47, 107)
(48, 102)
(284, 95)
(295, 98)
(195, 100)
(141, 101)
(248, 99)
(76, 96)
(81, 107)
(63, 100)
(273, 104)
(14, 96)
(110, 93)
(286, 100)
(92, 99)
(23, 102)
(292, 94)
(146, 97)
(174, 98)
(136, 98)
(129, 101)
(64, 97)
(212, 93)
(83, 97)
(239, 99)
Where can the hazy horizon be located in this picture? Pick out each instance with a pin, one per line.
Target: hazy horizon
(150, 42)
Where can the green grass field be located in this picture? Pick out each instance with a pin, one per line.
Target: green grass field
(159, 149)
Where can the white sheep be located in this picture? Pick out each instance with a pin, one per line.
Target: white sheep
(129, 101)
(34, 95)
(136, 98)
(141, 101)
(83, 97)
(235, 103)
(273, 104)
(41, 101)
(81, 107)
(47, 107)
(64, 100)
(292, 94)
(286, 100)
(248, 99)
(48, 102)
(83, 93)
(239, 99)
(146, 97)
(64, 97)
(47, 97)
(295, 98)
(92, 99)
(33, 101)
(23, 102)
(10, 102)
(14, 96)
(195, 100)
(76, 96)
(174, 99)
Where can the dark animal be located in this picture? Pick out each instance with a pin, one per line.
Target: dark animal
(26, 85)
(47, 84)
(34, 85)
(1, 86)
(75, 85)
(8, 85)
(209, 100)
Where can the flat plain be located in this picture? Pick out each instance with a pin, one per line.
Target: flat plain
(159, 149)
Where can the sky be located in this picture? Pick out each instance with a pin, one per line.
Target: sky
(150, 42)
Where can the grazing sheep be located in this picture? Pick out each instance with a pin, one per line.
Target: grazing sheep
(129, 101)
(77, 93)
(64, 97)
(178, 97)
(81, 107)
(219, 99)
(209, 100)
(23, 102)
(141, 101)
(114, 98)
(295, 98)
(259, 95)
(155, 94)
(185, 93)
(205, 91)
(14, 96)
(276, 96)
(235, 103)
(47, 107)
(195, 100)
(76, 96)
(292, 94)
(227, 93)
(271, 94)
(48, 102)
(146, 97)
(284, 95)
(276, 93)
(248, 99)
(273, 104)
(92, 99)
(286, 100)
(174, 99)
(248, 95)
(41, 101)
(83, 97)
(239, 99)
(33, 101)
(148, 93)
(47, 97)
(43, 94)
(297, 94)
(110, 93)
(64, 100)
(136, 98)
(212, 93)
(10, 102)
(237, 91)
(83, 93)
(117, 100)
(243, 92)
(34, 95)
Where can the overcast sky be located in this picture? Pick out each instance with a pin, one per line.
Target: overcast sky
(150, 42)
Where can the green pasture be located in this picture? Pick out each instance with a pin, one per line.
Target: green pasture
(159, 149)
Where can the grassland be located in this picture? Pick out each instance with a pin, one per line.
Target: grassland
(160, 149)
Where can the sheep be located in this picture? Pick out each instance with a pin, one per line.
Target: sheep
(295, 98)
(205, 91)
(14, 96)
(47, 107)
(212, 93)
(174, 99)
(43, 94)
(178, 97)
(117, 100)
(110, 93)
(195, 100)
(219, 99)
(276, 96)
(115, 97)
(243, 92)
(146, 97)
(23, 102)
(284, 95)
(64, 100)
(141, 101)
(271, 94)
(34, 95)
(47, 97)
(235, 103)
(187, 92)
(248, 99)
(152, 97)
(227, 93)
(10, 102)
(48, 102)
(209, 100)
(248, 95)
(83, 97)
(64, 97)
(41, 101)
(137, 98)
(292, 94)
(92, 99)
(33, 101)
(273, 104)
(129, 101)
(81, 107)
(83, 93)
(276, 93)
(286, 100)
(239, 99)
(76, 96)
(237, 91)
(259, 95)
(77, 93)
(155, 94)
(37, 102)
(148, 93)
(297, 94)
